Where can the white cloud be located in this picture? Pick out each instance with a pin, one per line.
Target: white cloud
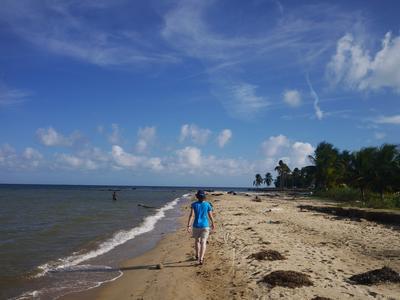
(59, 27)
(292, 97)
(50, 137)
(189, 157)
(28, 159)
(115, 136)
(127, 160)
(379, 135)
(355, 67)
(223, 137)
(190, 160)
(299, 154)
(274, 144)
(196, 134)
(395, 119)
(9, 96)
(8, 155)
(74, 162)
(146, 137)
(295, 154)
(32, 156)
(318, 112)
(243, 102)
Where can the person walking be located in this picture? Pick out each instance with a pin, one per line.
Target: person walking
(202, 212)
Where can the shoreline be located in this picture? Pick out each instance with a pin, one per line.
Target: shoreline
(326, 249)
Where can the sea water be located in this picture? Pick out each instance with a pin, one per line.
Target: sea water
(58, 239)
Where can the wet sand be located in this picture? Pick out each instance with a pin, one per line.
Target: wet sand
(326, 248)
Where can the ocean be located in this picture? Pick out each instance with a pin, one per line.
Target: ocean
(57, 239)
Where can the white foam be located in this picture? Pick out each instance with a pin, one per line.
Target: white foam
(119, 238)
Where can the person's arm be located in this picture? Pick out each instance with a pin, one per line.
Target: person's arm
(210, 215)
(189, 226)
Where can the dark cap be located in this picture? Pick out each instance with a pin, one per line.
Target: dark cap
(200, 194)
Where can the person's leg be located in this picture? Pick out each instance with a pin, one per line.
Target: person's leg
(203, 246)
(197, 247)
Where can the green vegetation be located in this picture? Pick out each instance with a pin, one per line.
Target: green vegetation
(369, 177)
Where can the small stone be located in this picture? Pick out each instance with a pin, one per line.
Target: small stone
(160, 266)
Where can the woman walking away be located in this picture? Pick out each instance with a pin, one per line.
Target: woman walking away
(202, 211)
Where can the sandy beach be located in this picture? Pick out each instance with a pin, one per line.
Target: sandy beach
(326, 249)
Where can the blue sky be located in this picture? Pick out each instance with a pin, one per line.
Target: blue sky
(191, 92)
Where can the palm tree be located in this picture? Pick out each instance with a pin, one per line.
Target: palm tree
(296, 176)
(326, 163)
(258, 181)
(385, 168)
(283, 170)
(360, 169)
(268, 179)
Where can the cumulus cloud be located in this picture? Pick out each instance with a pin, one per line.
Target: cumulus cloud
(223, 137)
(123, 159)
(292, 98)
(395, 120)
(11, 159)
(146, 137)
(32, 156)
(194, 133)
(295, 154)
(353, 66)
(274, 144)
(191, 160)
(50, 137)
(70, 161)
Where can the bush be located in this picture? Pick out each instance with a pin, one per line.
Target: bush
(352, 197)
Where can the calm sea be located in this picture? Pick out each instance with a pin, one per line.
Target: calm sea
(59, 239)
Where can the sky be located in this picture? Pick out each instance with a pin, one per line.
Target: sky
(199, 93)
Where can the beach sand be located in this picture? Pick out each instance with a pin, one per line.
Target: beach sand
(326, 248)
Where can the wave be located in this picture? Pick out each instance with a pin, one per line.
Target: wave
(119, 238)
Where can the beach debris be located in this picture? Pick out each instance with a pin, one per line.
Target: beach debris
(159, 266)
(232, 192)
(256, 199)
(384, 274)
(290, 279)
(274, 222)
(217, 194)
(320, 298)
(267, 255)
(146, 206)
(238, 214)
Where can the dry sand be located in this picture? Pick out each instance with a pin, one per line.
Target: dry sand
(326, 248)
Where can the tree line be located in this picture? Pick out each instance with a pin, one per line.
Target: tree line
(371, 169)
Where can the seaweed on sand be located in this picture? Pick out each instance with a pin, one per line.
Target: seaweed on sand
(384, 274)
(290, 279)
(267, 255)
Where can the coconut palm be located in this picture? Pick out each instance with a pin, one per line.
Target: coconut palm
(268, 179)
(258, 181)
(283, 170)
